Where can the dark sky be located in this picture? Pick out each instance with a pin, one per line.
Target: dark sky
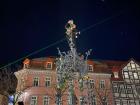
(26, 26)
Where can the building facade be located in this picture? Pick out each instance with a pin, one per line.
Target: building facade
(108, 83)
(126, 83)
(37, 81)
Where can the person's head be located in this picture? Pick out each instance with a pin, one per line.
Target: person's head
(20, 103)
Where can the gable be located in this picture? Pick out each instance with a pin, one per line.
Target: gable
(131, 71)
(131, 66)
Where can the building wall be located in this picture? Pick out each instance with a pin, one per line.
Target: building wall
(127, 90)
(41, 90)
(37, 68)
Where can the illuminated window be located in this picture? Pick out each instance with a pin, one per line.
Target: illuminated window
(46, 100)
(129, 68)
(91, 83)
(48, 82)
(90, 68)
(49, 65)
(126, 75)
(133, 65)
(135, 75)
(33, 100)
(102, 84)
(36, 81)
(116, 75)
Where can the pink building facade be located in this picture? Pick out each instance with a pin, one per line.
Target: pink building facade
(37, 81)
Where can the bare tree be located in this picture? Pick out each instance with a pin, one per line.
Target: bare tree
(102, 95)
(8, 83)
(12, 84)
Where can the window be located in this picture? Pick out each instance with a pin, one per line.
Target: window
(58, 100)
(26, 65)
(70, 99)
(102, 84)
(49, 65)
(91, 83)
(116, 75)
(104, 100)
(81, 101)
(90, 68)
(46, 100)
(135, 75)
(129, 91)
(33, 100)
(48, 82)
(126, 75)
(70, 81)
(36, 81)
(133, 65)
(93, 100)
(115, 88)
(117, 102)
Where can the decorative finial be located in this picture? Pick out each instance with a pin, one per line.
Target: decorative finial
(71, 30)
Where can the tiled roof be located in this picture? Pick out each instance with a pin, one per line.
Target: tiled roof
(99, 66)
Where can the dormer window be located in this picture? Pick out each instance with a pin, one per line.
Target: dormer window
(116, 75)
(26, 63)
(49, 65)
(90, 68)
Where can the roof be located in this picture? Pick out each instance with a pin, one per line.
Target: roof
(99, 66)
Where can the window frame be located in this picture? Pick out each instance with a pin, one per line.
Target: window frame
(33, 100)
(102, 84)
(135, 75)
(90, 68)
(133, 65)
(47, 100)
(35, 81)
(47, 65)
(91, 83)
(93, 101)
(126, 74)
(47, 79)
(81, 100)
(116, 74)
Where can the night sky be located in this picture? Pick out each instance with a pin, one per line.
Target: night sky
(27, 26)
